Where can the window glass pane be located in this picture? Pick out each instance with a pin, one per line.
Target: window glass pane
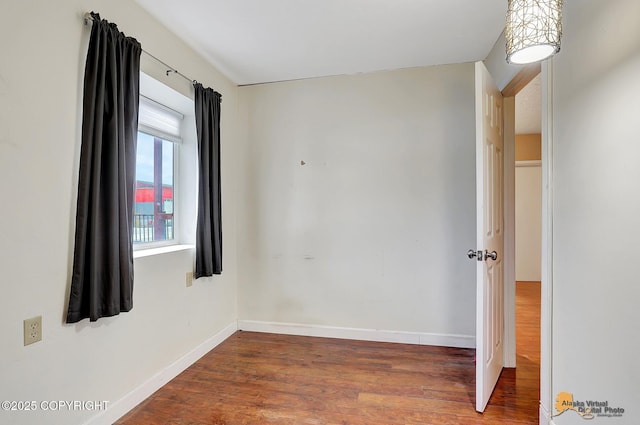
(153, 207)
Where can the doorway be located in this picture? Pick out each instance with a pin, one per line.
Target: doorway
(535, 392)
(518, 80)
(540, 374)
(528, 234)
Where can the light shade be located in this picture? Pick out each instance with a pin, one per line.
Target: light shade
(533, 30)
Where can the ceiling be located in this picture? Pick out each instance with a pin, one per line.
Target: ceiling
(258, 41)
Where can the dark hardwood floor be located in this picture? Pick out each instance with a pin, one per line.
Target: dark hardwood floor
(255, 378)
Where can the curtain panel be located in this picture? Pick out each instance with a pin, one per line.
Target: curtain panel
(209, 224)
(102, 276)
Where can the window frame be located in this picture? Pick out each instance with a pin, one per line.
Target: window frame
(175, 142)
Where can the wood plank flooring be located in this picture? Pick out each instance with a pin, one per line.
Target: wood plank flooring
(255, 378)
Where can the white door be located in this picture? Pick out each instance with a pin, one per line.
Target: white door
(490, 236)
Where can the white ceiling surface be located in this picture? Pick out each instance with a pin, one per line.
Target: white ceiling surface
(258, 41)
(529, 108)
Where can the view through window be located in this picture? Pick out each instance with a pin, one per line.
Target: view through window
(154, 201)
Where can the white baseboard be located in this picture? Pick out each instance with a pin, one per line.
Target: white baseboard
(118, 408)
(419, 338)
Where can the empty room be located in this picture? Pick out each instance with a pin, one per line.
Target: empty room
(304, 212)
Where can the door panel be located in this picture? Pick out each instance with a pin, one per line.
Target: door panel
(490, 236)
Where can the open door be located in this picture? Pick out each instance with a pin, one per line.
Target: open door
(490, 236)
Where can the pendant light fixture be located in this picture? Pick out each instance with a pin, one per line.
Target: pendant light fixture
(533, 30)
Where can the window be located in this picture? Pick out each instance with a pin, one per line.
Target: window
(159, 130)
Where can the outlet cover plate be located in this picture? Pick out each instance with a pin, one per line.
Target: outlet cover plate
(32, 330)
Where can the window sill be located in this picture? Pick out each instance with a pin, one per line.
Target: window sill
(161, 250)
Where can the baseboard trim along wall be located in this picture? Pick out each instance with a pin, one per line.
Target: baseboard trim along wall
(118, 408)
(418, 338)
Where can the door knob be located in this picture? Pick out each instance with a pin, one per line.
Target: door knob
(493, 255)
(473, 253)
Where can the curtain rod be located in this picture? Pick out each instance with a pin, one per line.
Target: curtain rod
(88, 18)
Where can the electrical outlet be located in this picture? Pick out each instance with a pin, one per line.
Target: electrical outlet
(32, 330)
(189, 279)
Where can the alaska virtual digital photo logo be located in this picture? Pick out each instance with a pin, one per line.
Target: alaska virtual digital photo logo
(588, 409)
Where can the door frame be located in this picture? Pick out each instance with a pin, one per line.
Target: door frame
(546, 304)
(546, 317)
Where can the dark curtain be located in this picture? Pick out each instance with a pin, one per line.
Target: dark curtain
(102, 279)
(209, 225)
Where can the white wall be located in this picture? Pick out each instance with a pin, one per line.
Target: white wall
(528, 222)
(596, 205)
(371, 233)
(496, 62)
(43, 48)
